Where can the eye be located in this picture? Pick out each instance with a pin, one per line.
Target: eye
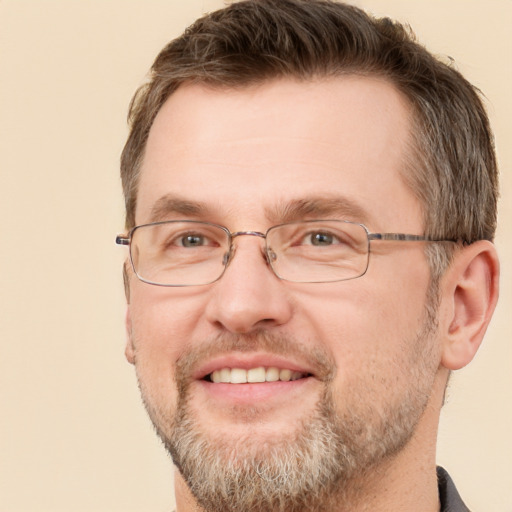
(196, 239)
(192, 240)
(321, 239)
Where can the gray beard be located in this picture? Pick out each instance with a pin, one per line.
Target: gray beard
(321, 465)
(294, 474)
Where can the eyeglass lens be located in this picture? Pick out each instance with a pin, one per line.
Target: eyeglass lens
(185, 253)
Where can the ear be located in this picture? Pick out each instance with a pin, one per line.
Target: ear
(129, 350)
(470, 292)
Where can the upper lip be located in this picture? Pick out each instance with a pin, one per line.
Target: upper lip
(248, 361)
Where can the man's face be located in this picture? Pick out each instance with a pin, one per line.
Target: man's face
(364, 351)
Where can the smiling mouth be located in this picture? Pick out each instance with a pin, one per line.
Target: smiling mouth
(254, 375)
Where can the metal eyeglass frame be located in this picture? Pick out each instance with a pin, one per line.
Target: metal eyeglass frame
(396, 237)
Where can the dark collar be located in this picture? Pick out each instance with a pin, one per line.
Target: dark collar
(448, 495)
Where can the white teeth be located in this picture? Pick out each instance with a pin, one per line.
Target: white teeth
(238, 376)
(285, 375)
(225, 375)
(272, 374)
(254, 375)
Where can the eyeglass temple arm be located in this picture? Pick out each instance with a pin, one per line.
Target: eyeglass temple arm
(122, 240)
(406, 238)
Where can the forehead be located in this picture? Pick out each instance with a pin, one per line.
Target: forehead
(245, 152)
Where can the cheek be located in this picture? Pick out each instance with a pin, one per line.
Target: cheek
(394, 293)
(369, 325)
(162, 318)
(163, 323)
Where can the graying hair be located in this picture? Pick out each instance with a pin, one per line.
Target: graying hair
(451, 166)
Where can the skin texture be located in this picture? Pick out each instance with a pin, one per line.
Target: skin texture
(370, 345)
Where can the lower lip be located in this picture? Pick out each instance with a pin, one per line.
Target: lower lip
(254, 392)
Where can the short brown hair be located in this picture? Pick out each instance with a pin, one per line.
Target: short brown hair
(452, 164)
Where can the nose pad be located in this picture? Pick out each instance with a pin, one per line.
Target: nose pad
(228, 256)
(271, 255)
(268, 254)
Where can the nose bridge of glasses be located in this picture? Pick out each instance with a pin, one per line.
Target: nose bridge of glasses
(228, 257)
(248, 233)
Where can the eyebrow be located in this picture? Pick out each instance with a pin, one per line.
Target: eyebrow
(318, 207)
(339, 206)
(172, 205)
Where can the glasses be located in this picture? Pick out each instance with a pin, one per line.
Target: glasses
(191, 253)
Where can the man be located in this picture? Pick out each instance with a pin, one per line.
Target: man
(311, 204)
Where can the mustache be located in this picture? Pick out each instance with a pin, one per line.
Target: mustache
(317, 357)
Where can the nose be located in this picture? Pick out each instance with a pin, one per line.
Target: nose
(249, 296)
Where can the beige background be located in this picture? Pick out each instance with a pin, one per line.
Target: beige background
(73, 434)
